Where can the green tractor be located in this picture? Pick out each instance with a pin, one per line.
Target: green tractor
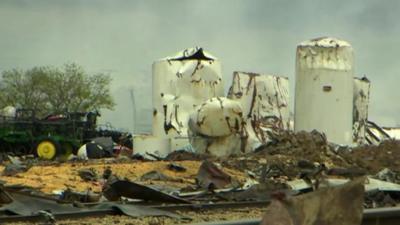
(54, 136)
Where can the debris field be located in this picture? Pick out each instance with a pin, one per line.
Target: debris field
(183, 177)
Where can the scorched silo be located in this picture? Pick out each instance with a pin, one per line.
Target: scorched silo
(324, 88)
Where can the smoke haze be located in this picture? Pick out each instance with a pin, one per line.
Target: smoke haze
(123, 38)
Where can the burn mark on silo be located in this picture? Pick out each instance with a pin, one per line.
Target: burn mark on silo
(238, 94)
(237, 125)
(243, 137)
(167, 125)
(200, 122)
(198, 67)
(220, 102)
(327, 88)
(176, 116)
(228, 123)
(196, 81)
(238, 82)
(208, 146)
(280, 105)
(154, 112)
(253, 98)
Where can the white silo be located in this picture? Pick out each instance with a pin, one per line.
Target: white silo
(360, 109)
(324, 88)
(181, 83)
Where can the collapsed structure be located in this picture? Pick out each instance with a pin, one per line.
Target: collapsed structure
(191, 112)
(265, 102)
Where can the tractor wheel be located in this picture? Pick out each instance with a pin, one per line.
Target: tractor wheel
(48, 149)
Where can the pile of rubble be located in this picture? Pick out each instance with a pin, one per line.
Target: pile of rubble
(289, 165)
(281, 157)
(374, 158)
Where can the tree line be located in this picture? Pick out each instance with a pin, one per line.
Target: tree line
(48, 90)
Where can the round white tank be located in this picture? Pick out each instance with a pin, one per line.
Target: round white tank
(324, 88)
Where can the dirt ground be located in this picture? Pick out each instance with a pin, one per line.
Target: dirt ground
(53, 177)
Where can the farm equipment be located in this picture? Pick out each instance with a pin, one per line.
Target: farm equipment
(54, 136)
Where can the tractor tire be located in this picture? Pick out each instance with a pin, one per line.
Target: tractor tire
(48, 149)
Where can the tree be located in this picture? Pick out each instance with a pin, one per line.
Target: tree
(53, 90)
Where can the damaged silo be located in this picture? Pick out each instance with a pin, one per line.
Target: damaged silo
(180, 83)
(217, 127)
(265, 103)
(324, 88)
(360, 110)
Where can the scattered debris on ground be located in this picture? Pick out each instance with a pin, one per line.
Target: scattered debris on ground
(211, 177)
(292, 164)
(88, 174)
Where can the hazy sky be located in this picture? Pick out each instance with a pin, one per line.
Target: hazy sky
(123, 38)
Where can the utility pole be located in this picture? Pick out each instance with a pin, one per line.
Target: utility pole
(132, 93)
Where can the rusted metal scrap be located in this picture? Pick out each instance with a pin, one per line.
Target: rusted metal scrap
(27, 207)
(15, 166)
(176, 167)
(327, 206)
(375, 134)
(5, 198)
(211, 177)
(73, 196)
(115, 188)
(257, 192)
